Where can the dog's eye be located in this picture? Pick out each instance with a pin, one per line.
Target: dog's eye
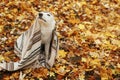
(48, 14)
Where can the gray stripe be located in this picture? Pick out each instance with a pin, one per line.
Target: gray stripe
(16, 46)
(33, 41)
(21, 46)
(23, 63)
(33, 54)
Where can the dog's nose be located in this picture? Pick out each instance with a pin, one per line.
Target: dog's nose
(40, 15)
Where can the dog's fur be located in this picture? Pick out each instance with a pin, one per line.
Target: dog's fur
(47, 26)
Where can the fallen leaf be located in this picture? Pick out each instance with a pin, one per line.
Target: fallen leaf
(110, 34)
(118, 65)
(74, 21)
(62, 54)
(81, 77)
(95, 62)
(81, 26)
(84, 59)
(1, 58)
(94, 54)
(1, 28)
(51, 74)
(62, 70)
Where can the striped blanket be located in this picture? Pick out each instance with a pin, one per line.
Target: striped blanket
(31, 51)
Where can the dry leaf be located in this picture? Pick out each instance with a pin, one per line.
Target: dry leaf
(84, 59)
(1, 28)
(94, 54)
(1, 58)
(62, 54)
(81, 26)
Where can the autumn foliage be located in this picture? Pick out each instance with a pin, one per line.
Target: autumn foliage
(89, 38)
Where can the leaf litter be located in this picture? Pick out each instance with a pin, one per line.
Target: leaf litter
(89, 37)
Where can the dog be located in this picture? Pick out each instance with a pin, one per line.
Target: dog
(47, 26)
(37, 45)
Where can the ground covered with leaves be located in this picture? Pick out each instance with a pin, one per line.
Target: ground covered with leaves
(89, 38)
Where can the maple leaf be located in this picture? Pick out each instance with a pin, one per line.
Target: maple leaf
(51, 74)
(81, 26)
(62, 54)
(84, 59)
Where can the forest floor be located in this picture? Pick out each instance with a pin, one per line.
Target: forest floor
(89, 38)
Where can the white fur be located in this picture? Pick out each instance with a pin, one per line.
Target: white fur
(47, 25)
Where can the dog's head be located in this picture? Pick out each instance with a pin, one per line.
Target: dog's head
(46, 18)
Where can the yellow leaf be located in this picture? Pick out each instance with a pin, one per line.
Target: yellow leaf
(28, 70)
(74, 69)
(74, 21)
(40, 79)
(1, 58)
(104, 78)
(51, 74)
(81, 77)
(116, 42)
(94, 54)
(1, 28)
(98, 41)
(15, 10)
(106, 42)
(113, 71)
(10, 16)
(34, 11)
(98, 18)
(88, 33)
(80, 4)
(59, 35)
(95, 62)
(84, 59)
(94, 1)
(88, 11)
(20, 17)
(109, 34)
(7, 53)
(62, 70)
(106, 54)
(118, 65)
(62, 54)
(81, 26)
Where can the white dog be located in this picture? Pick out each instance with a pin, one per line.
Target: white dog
(47, 26)
(28, 45)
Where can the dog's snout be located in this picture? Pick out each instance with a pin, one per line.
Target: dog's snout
(40, 15)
